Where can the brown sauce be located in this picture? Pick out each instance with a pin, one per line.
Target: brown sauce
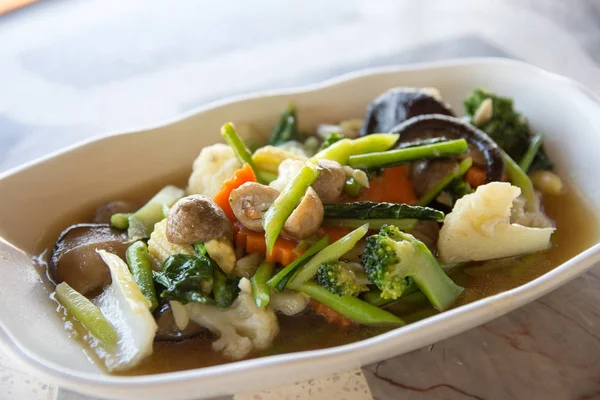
(307, 331)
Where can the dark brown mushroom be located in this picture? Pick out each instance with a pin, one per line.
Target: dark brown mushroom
(75, 261)
(250, 201)
(425, 174)
(196, 218)
(432, 126)
(104, 212)
(306, 219)
(397, 105)
(167, 328)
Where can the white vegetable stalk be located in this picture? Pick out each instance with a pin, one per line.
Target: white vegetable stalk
(127, 309)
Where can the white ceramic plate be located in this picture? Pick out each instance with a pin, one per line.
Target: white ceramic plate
(43, 193)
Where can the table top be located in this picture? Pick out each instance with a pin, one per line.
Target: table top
(71, 70)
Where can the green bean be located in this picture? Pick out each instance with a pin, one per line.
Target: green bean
(402, 224)
(352, 187)
(330, 253)
(87, 313)
(239, 148)
(120, 221)
(534, 145)
(260, 290)
(341, 150)
(519, 178)
(351, 307)
(280, 280)
(138, 260)
(401, 156)
(445, 181)
(286, 202)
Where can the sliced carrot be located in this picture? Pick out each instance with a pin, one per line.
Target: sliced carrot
(241, 176)
(393, 186)
(475, 176)
(331, 316)
(284, 251)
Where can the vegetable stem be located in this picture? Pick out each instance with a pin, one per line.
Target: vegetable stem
(280, 280)
(141, 223)
(353, 223)
(351, 307)
(441, 185)
(138, 260)
(534, 145)
(330, 253)
(120, 221)
(260, 289)
(239, 148)
(400, 156)
(519, 178)
(286, 202)
(341, 150)
(352, 187)
(87, 313)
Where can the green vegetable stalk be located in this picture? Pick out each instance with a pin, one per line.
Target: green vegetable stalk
(368, 210)
(280, 280)
(225, 289)
(401, 156)
(330, 253)
(287, 128)
(286, 202)
(87, 313)
(341, 150)
(352, 223)
(260, 290)
(519, 178)
(534, 146)
(352, 187)
(351, 307)
(141, 223)
(444, 182)
(239, 148)
(138, 260)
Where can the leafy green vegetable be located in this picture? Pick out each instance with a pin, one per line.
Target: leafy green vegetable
(287, 128)
(342, 278)
(349, 306)
(507, 128)
(181, 276)
(395, 260)
(366, 210)
(331, 139)
(225, 288)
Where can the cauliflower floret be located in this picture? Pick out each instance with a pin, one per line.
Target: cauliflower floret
(287, 170)
(221, 250)
(214, 165)
(241, 328)
(479, 227)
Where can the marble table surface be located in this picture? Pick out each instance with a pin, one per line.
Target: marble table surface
(70, 70)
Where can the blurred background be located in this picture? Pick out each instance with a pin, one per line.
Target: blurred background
(71, 69)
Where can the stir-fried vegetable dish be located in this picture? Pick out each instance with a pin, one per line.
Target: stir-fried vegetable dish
(351, 223)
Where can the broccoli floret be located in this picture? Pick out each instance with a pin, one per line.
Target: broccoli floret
(342, 278)
(507, 127)
(394, 260)
(331, 139)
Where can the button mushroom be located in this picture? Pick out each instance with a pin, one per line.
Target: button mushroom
(250, 201)
(397, 105)
(331, 180)
(306, 219)
(75, 261)
(196, 218)
(434, 126)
